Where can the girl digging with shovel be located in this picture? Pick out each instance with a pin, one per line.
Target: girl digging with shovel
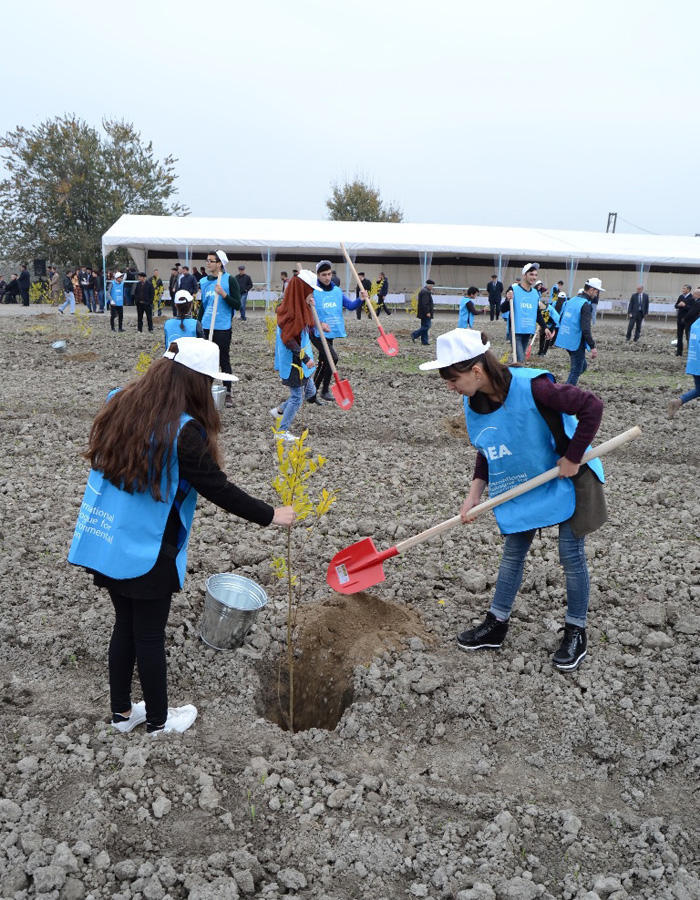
(522, 424)
(153, 448)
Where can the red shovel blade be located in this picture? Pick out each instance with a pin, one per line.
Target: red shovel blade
(357, 567)
(342, 392)
(387, 342)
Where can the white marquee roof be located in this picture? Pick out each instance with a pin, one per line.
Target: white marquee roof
(175, 233)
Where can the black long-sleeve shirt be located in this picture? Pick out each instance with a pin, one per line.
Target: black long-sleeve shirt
(198, 468)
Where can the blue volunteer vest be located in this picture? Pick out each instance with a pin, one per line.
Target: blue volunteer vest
(329, 306)
(117, 292)
(283, 355)
(518, 445)
(525, 306)
(120, 534)
(173, 331)
(553, 314)
(223, 310)
(693, 365)
(466, 317)
(569, 335)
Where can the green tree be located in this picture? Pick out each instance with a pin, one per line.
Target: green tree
(67, 183)
(357, 201)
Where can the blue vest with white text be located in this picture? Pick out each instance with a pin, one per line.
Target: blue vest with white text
(466, 317)
(569, 336)
(223, 310)
(525, 308)
(553, 314)
(283, 355)
(693, 365)
(518, 445)
(117, 293)
(329, 306)
(173, 331)
(120, 534)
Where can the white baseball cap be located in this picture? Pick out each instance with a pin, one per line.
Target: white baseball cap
(561, 295)
(223, 259)
(458, 345)
(528, 266)
(309, 277)
(199, 355)
(118, 275)
(183, 297)
(596, 283)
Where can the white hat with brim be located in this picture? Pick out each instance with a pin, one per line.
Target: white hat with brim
(223, 259)
(528, 266)
(561, 295)
(182, 296)
(309, 277)
(118, 275)
(199, 355)
(458, 345)
(596, 283)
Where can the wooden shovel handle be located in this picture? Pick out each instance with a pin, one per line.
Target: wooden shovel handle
(549, 475)
(213, 310)
(512, 328)
(326, 348)
(361, 286)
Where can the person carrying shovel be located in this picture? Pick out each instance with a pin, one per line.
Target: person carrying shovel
(294, 358)
(220, 297)
(330, 301)
(522, 423)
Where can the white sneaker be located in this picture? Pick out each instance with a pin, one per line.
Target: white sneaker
(275, 413)
(179, 719)
(137, 717)
(285, 436)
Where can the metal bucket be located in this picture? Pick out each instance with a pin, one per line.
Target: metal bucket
(218, 392)
(230, 609)
(59, 346)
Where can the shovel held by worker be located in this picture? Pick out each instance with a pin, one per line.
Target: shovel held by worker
(341, 390)
(387, 342)
(213, 310)
(359, 566)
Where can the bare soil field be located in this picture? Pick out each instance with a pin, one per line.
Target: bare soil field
(420, 771)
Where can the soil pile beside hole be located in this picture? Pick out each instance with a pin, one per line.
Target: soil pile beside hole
(86, 356)
(334, 637)
(456, 426)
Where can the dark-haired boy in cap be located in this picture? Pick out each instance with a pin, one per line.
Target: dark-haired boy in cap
(330, 301)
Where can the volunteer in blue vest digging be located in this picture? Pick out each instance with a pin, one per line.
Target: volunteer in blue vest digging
(182, 324)
(574, 333)
(220, 297)
(330, 301)
(153, 448)
(522, 423)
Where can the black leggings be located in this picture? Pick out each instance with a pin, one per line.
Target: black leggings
(139, 637)
(322, 375)
(222, 339)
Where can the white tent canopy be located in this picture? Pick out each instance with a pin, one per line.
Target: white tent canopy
(177, 233)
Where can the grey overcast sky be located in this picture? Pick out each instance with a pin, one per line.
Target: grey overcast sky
(539, 114)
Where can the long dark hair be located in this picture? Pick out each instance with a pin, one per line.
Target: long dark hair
(182, 312)
(497, 373)
(131, 439)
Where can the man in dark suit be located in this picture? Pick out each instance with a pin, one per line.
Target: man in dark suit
(367, 285)
(682, 305)
(495, 290)
(637, 309)
(23, 283)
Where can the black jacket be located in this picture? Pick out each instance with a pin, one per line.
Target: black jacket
(366, 284)
(687, 301)
(143, 292)
(638, 305)
(245, 283)
(495, 289)
(426, 306)
(24, 280)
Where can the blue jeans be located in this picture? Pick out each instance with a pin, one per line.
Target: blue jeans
(101, 300)
(693, 392)
(578, 364)
(425, 324)
(89, 298)
(291, 407)
(572, 556)
(521, 342)
(244, 299)
(70, 301)
(594, 312)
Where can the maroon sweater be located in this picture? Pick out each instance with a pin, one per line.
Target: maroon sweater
(560, 398)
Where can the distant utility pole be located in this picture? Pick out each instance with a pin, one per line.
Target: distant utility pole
(612, 223)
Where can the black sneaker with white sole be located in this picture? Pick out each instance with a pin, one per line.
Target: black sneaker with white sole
(572, 648)
(487, 636)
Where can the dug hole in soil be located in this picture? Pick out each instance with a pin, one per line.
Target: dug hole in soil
(446, 774)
